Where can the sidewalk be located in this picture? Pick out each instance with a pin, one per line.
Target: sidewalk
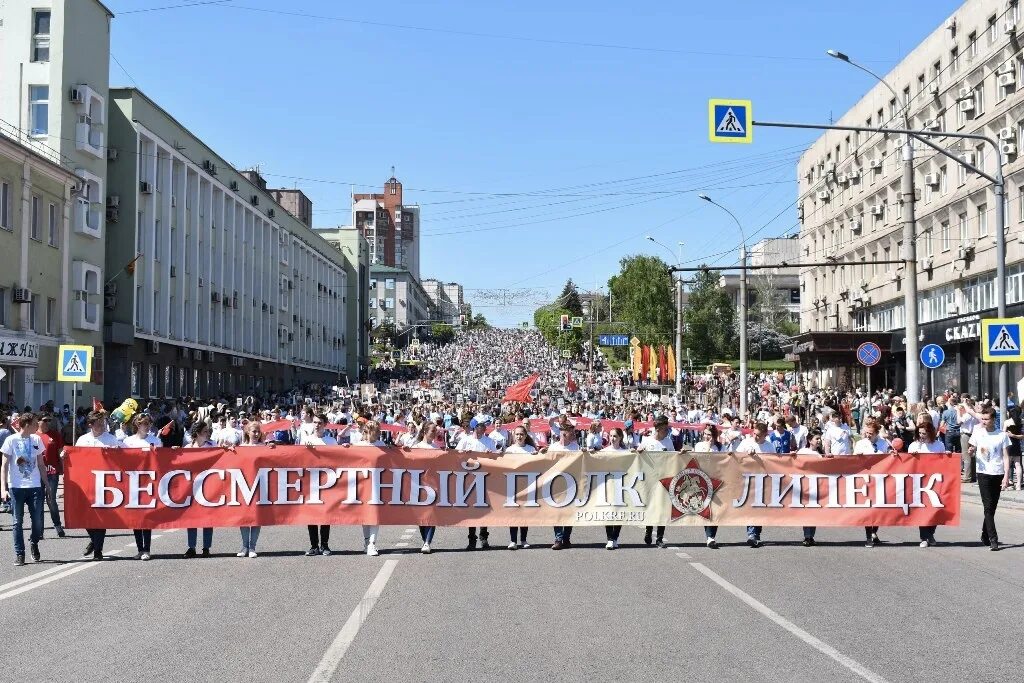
(1011, 499)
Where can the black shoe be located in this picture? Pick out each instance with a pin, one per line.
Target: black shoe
(712, 544)
(88, 550)
(471, 545)
(19, 560)
(984, 540)
(660, 543)
(754, 542)
(191, 552)
(567, 543)
(97, 556)
(206, 552)
(994, 546)
(647, 538)
(484, 545)
(313, 550)
(808, 542)
(60, 533)
(34, 549)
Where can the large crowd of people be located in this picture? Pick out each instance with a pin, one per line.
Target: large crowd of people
(452, 399)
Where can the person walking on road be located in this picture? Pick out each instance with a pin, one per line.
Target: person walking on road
(425, 440)
(522, 443)
(53, 445)
(756, 443)
(616, 438)
(252, 436)
(96, 437)
(477, 441)
(566, 444)
(23, 471)
(927, 441)
(143, 439)
(990, 448)
(660, 441)
(815, 448)
(709, 444)
(872, 444)
(200, 434)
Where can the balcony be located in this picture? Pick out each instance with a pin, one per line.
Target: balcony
(89, 137)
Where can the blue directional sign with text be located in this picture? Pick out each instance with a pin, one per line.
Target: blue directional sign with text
(932, 356)
(613, 339)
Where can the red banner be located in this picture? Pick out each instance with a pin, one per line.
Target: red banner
(520, 391)
(248, 486)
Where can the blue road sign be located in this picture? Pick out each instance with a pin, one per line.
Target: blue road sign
(730, 121)
(869, 354)
(613, 339)
(1001, 340)
(932, 356)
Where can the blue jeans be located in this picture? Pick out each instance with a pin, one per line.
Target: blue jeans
(754, 532)
(51, 500)
(809, 531)
(563, 534)
(427, 533)
(207, 538)
(250, 534)
(33, 498)
(710, 531)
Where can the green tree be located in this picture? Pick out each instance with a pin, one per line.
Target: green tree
(442, 333)
(477, 321)
(547, 319)
(709, 316)
(643, 297)
(384, 332)
(569, 299)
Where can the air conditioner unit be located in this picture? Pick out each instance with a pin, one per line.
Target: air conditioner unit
(951, 24)
(823, 195)
(966, 105)
(254, 200)
(1008, 148)
(1007, 134)
(270, 213)
(76, 95)
(1007, 80)
(875, 163)
(968, 157)
(81, 295)
(113, 214)
(174, 271)
(931, 179)
(965, 93)
(112, 154)
(183, 351)
(114, 200)
(215, 297)
(931, 124)
(233, 185)
(202, 281)
(934, 89)
(209, 167)
(926, 263)
(843, 179)
(877, 209)
(145, 187)
(210, 356)
(856, 225)
(153, 346)
(22, 295)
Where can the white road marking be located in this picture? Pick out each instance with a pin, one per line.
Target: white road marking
(401, 545)
(851, 664)
(683, 556)
(60, 573)
(332, 658)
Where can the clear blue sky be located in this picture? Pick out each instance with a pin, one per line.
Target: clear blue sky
(542, 141)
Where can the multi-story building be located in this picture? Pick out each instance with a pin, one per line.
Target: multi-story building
(770, 291)
(391, 227)
(446, 300)
(396, 297)
(54, 66)
(355, 251)
(966, 76)
(38, 298)
(216, 288)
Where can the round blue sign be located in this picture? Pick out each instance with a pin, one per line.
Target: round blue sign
(869, 354)
(932, 356)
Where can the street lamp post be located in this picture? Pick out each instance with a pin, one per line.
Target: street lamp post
(907, 198)
(743, 306)
(679, 318)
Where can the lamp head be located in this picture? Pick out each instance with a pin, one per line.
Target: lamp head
(838, 55)
(704, 197)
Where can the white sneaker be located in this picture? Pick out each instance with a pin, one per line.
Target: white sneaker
(923, 544)
(371, 550)
(524, 545)
(610, 545)
(252, 554)
(615, 545)
(145, 557)
(512, 545)
(244, 553)
(425, 549)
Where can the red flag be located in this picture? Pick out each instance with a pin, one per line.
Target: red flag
(520, 391)
(662, 365)
(570, 383)
(97, 406)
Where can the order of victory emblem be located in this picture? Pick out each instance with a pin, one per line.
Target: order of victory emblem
(691, 491)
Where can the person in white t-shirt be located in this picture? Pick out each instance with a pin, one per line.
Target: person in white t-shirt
(927, 441)
(23, 472)
(836, 438)
(521, 444)
(142, 439)
(991, 450)
(798, 431)
(872, 444)
(477, 441)
(756, 443)
(661, 440)
(566, 443)
(709, 443)
(96, 437)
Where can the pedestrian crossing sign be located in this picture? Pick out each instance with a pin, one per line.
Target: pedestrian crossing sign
(1001, 340)
(730, 121)
(74, 363)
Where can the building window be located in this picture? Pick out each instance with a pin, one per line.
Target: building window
(942, 180)
(389, 303)
(153, 380)
(1020, 203)
(389, 283)
(992, 34)
(136, 379)
(972, 45)
(3, 306)
(51, 316)
(38, 109)
(33, 313)
(961, 175)
(982, 220)
(41, 35)
(954, 60)
(168, 381)
(5, 206)
(965, 229)
(929, 243)
(979, 99)
(34, 227)
(944, 235)
(156, 240)
(52, 225)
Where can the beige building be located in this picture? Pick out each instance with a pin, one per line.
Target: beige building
(37, 295)
(355, 253)
(966, 76)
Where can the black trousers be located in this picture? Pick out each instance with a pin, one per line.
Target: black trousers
(483, 533)
(518, 533)
(319, 536)
(659, 536)
(97, 536)
(612, 531)
(143, 539)
(989, 486)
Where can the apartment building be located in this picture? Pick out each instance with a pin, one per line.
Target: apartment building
(215, 287)
(391, 227)
(966, 76)
(771, 292)
(54, 65)
(355, 251)
(446, 299)
(38, 304)
(396, 297)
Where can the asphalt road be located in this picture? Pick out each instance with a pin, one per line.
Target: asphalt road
(834, 612)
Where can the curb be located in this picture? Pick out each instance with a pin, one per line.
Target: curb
(969, 494)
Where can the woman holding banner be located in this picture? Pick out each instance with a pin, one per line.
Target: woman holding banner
(200, 434)
(521, 443)
(313, 435)
(144, 440)
(252, 436)
(709, 444)
(425, 440)
(371, 437)
(616, 444)
(96, 437)
(927, 442)
(814, 447)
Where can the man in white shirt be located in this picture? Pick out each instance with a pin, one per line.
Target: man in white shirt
(871, 444)
(798, 431)
(756, 443)
(477, 441)
(96, 437)
(566, 443)
(991, 448)
(661, 440)
(23, 472)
